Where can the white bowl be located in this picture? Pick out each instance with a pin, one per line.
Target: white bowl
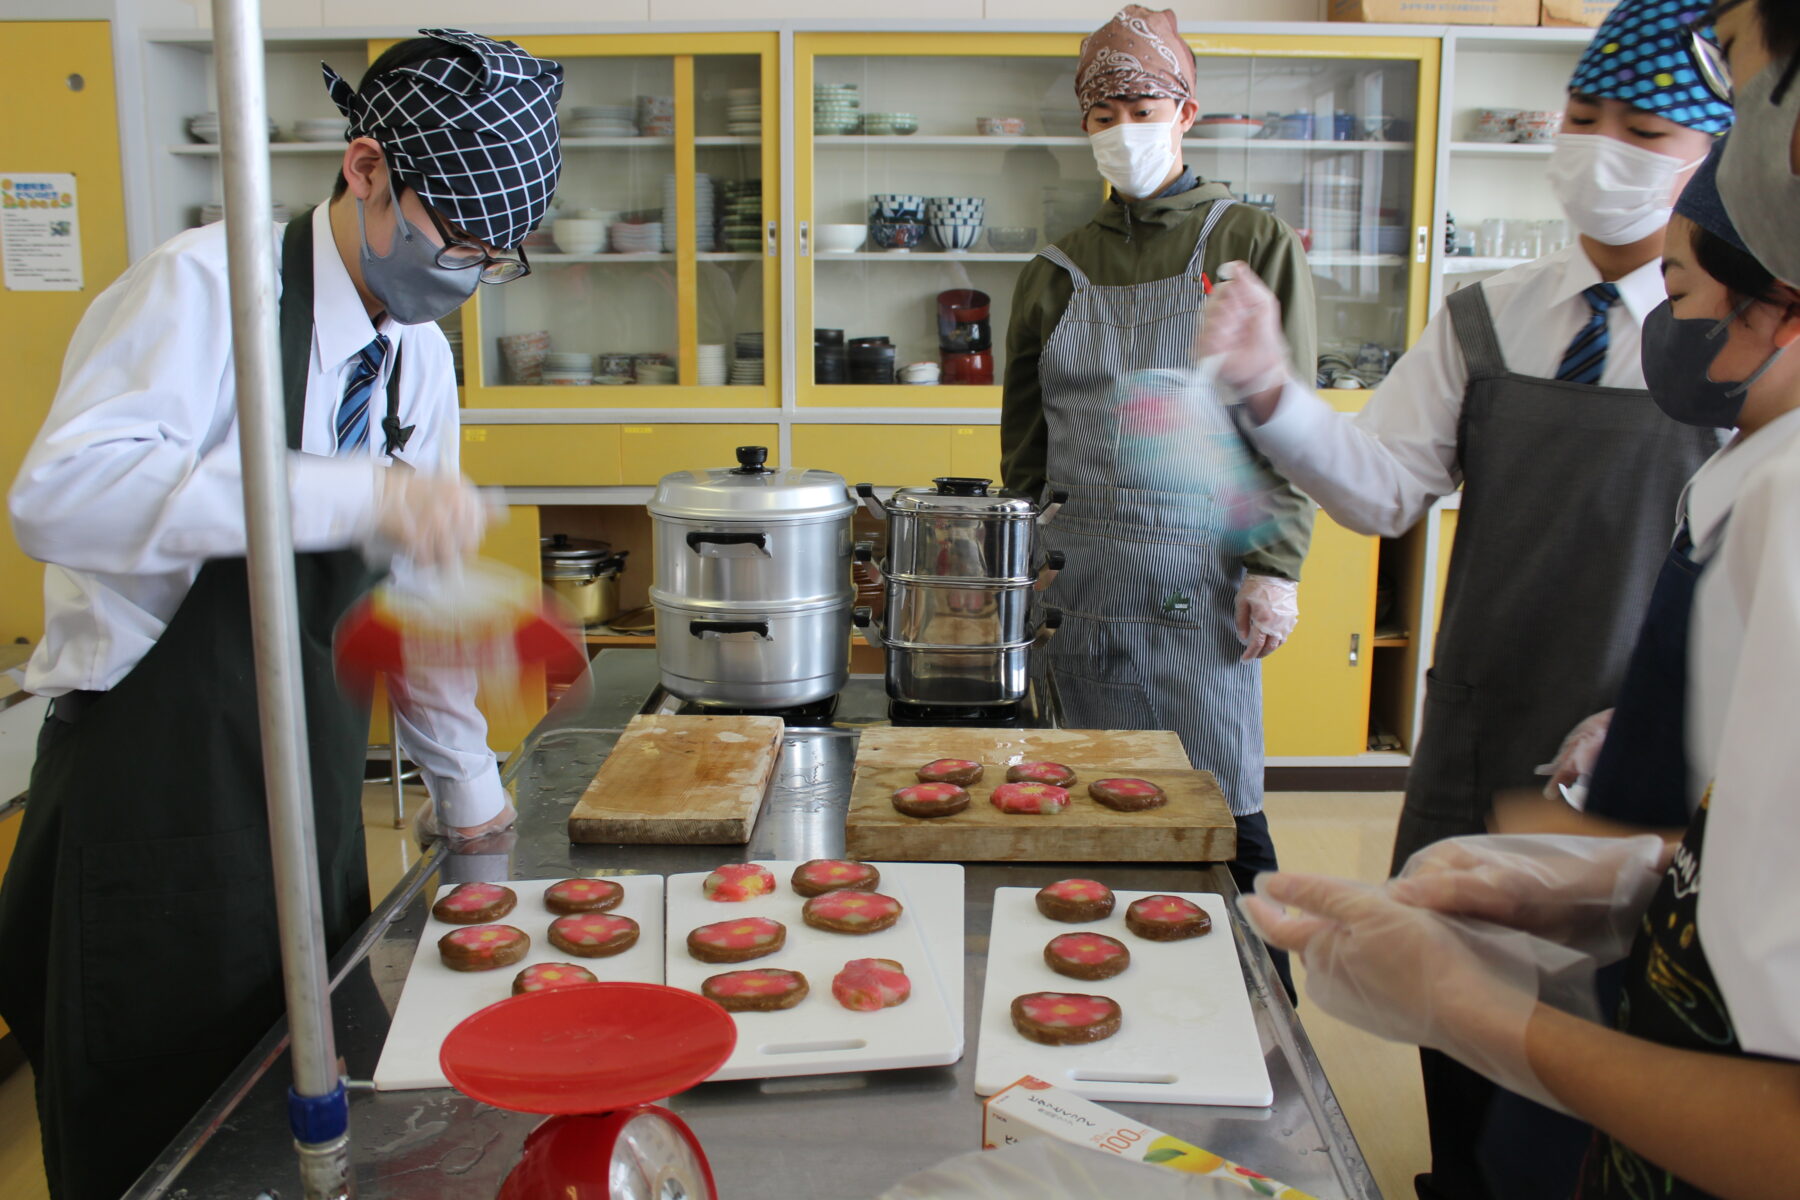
(578, 235)
(840, 239)
(1227, 131)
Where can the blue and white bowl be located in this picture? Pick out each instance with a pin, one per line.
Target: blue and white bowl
(895, 206)
(956, 237)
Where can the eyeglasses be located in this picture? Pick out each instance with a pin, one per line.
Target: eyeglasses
(1710, 61)
(460, 254)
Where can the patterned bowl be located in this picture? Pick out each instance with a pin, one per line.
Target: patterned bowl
(896, 235)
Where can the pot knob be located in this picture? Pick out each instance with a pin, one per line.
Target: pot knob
(751, 460)
(959, 485)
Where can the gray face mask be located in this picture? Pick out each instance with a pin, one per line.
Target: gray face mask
(1760, 191)
(408, 280)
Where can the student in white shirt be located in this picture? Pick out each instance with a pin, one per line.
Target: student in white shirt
(142, 959)
(1526, 391)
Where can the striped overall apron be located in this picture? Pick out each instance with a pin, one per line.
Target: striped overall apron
(1148, 594)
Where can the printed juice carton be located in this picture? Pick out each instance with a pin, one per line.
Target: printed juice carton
(1030, 1108)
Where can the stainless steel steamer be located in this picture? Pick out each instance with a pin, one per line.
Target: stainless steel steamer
(960, 573)
(753, 590)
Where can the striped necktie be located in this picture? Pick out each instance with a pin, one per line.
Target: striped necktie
(353, 410)
(1586, 356)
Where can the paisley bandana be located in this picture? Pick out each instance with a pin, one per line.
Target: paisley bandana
(1137, 53)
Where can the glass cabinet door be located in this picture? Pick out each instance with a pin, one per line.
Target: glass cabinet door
(932, 169)
(651, 283)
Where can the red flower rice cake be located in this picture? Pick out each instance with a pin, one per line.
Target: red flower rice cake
(545, 977)
(823, 875)
(1075, 900)
(1031, 799)
(1127, 795)
(1051, 773)
(871, 984)
(763, 989)
(737, 941)
(1166, 919)
(583, 895)
(593, 935)
(483, 947)
(1086, 955)
(851, 912)
(931, 800)
(738, 881)
(474, 904)
(950, 770)
(1065, 1018)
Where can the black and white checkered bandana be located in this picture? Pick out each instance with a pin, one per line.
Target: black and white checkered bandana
(476, 137)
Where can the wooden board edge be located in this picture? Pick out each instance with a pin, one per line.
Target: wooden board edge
(884, 843)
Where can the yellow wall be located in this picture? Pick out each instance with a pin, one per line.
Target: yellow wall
(53, 128)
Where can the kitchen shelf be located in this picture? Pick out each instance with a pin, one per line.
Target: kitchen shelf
(208, 150)
(1480, 266)
(616, 143)
(1503, 149)
(1391, 641)
(978, 141)
(553, 259)
(1338, 258)
(938, 256)
(727, 140)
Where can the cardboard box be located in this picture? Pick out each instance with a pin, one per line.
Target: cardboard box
(1029, 1108)
(1588, 13)
(1439, 12)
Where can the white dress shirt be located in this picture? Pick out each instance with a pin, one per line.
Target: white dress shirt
(1743, 698)
(1379, 471)
(134, 482)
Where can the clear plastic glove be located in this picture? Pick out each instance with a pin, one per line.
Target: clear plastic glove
(1241, 339)
(1584, 893)
(429, 519)
(1268, 608)
(1407, 974)
(1575, 760)
(490, 837)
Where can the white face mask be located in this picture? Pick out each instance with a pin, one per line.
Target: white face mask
(1135, 157)
(1613, 192)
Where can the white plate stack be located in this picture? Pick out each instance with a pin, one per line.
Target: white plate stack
(743, 112)
(637, 238)
(204, 127)
(713, 368)
(747, 367)
(599, 120)
(568, 369)
(705, 221)
(319, 129)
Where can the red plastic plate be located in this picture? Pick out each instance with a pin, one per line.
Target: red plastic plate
(587, 1049)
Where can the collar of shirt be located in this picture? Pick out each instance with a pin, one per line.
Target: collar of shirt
(1641, 291)
(1715, 486)
(341, 324)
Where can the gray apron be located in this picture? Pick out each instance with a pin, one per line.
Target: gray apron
(1569, 500)
(1147, 640)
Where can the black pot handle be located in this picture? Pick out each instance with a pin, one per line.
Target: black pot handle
(702, 537)
(700, 628)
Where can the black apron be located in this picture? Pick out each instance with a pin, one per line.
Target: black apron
(1568, 492)
(1529, 1151)
(141, 958)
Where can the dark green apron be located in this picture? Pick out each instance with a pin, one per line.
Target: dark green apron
(139, 955)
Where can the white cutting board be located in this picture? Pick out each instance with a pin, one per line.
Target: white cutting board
(1187, 1035)
(819, 1036)
(437, 999)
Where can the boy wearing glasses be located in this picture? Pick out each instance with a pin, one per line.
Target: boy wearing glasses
(137, 917)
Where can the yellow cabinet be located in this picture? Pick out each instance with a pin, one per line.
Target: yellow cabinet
(648, 452)
(975, 451)
(1316, 687)
(541, 455)
(884, 455)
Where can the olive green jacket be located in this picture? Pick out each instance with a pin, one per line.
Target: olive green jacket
(1140, 242)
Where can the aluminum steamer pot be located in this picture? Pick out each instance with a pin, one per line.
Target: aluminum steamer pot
(958, 530)
(753, 589)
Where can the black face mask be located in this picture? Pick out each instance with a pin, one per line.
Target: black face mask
(1678, 356)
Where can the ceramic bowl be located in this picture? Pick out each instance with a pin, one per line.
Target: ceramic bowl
(955, 237)
(896, 206)
(1000, 126)
(579, 235)
(839, 239)
(896, 235)
(1012, 239)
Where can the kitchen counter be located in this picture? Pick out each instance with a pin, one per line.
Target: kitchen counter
(830, 1137)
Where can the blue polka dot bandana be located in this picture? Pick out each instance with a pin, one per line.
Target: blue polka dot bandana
(1640, 55)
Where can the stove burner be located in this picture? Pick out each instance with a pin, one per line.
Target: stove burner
(1000, 716)
(817, 715)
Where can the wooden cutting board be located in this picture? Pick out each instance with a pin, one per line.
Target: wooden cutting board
(1194, 826)
(679, 779)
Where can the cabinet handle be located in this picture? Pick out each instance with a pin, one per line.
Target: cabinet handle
(771, 240)
(1355, 648)
(1424, 244)
(803, 232)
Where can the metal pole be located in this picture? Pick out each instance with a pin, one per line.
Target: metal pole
(395, 763)
(318, 1110)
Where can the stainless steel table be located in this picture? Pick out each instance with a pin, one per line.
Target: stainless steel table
(831, 1137)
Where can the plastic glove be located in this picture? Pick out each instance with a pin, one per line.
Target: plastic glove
(1407, 974)
(489, 837)
(1241, 339)
(1268, 608)
(430, 519)
(1586, 893)
(1575, 760)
